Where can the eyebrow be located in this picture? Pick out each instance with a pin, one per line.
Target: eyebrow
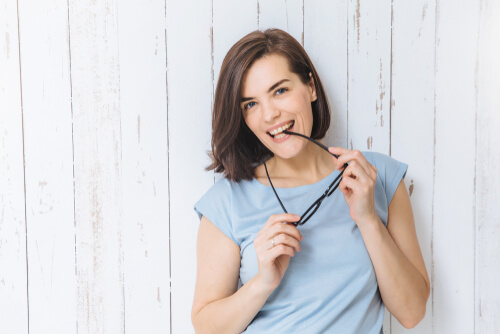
(244, 99)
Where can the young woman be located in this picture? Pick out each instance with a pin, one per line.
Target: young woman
(279, 250)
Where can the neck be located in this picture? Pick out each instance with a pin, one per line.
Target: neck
(309, 166)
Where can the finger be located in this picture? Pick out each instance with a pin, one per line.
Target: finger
(349, 184)
(284, 239)
(277, 251)
(279, 218)
(346, 156)
(356, 171)
(337, 151)
(287, 229)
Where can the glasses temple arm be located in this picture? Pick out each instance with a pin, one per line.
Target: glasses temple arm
(314, 141)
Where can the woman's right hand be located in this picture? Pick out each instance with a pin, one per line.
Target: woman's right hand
(275, 243)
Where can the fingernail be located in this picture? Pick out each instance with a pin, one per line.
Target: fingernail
(297, 217)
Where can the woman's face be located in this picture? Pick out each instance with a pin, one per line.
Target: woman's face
(273, 99)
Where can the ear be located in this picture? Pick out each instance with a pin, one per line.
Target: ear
(312, 88)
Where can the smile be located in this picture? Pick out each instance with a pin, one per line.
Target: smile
(278, 133)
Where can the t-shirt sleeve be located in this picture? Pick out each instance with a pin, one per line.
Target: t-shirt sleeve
(390, 171)
(216, 206)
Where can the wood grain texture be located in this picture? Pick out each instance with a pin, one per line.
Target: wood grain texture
(284, 15)
(98, 166)
(369, 64)
(412, 120)
(48, 151)
(325, 40)
(369, 80)
(230, 22)
(122, 93)
(190, 86)
(13, 268)
(487, 271)
(455, 113)
(143, 110)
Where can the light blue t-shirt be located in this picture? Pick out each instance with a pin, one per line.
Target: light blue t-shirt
(330, 285)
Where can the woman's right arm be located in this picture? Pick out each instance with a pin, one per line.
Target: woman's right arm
(218, 306)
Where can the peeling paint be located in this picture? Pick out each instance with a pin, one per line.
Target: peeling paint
(382, 94)
(258, 14)
(286, 13)
(139, 129)
(358, 15)
(158, 296)
(369, 142)
(424, 11)
(7, 44)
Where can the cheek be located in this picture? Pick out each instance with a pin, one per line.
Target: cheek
(252, 122)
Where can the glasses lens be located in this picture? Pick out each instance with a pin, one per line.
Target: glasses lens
(311, 211)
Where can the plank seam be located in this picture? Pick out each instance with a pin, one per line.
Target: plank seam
(436, 11)
(72, 146)
(168, 175)
(390, 110)
(390, 84)
(24, 164)
(258, 14)
(474, 203)
(347, 76)
(303, 18)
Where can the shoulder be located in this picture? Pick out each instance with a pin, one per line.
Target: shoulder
(390, 171)
(385, 164)
(216, 206)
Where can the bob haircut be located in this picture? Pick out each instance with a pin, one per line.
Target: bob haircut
(236, 150)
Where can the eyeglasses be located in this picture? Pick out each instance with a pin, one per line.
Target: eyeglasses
(331, 188)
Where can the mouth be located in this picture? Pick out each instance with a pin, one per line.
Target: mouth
(278, 133)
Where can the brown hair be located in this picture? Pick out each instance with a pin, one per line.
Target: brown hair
(236, 150)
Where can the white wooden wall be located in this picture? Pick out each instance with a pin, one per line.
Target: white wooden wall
(105, 120)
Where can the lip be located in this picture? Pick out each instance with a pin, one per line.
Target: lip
(278, 125)
(280, 140)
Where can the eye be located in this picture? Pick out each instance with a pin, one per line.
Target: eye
(248, 105)
(281, 91)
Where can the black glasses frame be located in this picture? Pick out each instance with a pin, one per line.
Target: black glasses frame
(331, 188)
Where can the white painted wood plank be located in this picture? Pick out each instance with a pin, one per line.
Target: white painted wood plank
(231, 21)
(143, 106)
(287, 15)
(369, 62)
(453, 227)
(325, 40)
(487, 296)
(368, 80)
(98, 166)
(48, 166)
(13, 271)
(412, 120)
(189, 77)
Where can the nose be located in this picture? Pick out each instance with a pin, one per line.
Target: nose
(270, 111)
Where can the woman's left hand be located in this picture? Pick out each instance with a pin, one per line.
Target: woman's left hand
(358, 183)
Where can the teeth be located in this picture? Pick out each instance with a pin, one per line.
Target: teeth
(281, 129)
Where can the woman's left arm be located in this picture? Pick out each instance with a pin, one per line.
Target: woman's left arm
(394, 251)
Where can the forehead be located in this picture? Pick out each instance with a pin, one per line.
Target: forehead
(264, 73)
